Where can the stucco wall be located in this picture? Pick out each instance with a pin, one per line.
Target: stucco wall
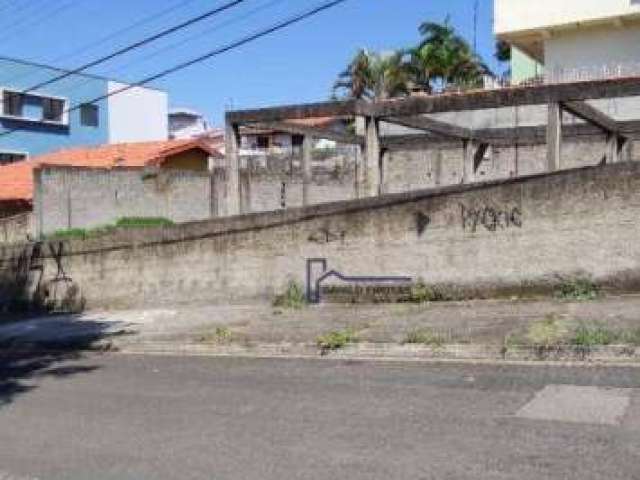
(518, 15)
(17, 228)
(503, 236)
(137, 115)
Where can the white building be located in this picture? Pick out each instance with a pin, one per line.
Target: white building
(186, 123)
(572, 39)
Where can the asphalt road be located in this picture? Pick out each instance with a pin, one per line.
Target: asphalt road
(150, 417)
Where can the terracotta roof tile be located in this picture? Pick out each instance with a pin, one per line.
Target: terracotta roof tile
(16, 180)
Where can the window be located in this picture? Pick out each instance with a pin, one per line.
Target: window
(89, 115)
(12, 103)
(52, 109)
(263, 141)
(11, 157)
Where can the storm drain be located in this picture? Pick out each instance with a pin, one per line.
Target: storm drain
(571, 403)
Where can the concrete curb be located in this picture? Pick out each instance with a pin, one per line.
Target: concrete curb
(613, 354)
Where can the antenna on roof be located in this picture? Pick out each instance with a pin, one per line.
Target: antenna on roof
(475, 26)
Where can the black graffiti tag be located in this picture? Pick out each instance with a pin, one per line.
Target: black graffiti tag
(492, 219)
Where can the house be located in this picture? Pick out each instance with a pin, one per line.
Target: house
(570, 40)
(63, 114)
(186, 123)
(260, 141)
(16, 179)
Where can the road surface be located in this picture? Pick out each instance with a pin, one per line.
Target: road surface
(152, 417)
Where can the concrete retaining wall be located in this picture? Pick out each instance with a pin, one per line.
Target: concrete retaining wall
(502, 237)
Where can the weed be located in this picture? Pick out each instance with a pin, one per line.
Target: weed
(423, 293)
(425, 336)
(220, 335)
(577, 289)
(139, 222)
(546, 334)
(592, 335)
(293, 297)
(631, 337)
(335, 340)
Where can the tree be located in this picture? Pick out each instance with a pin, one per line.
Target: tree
(372, 75)
(444, 58)
(503, 51)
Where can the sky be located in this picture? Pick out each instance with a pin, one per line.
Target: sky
(299, 64)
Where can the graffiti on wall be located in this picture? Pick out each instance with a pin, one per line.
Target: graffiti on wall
(490, 218)
(325, 235)
(35, 275)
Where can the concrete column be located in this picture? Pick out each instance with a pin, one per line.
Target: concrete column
(372, 173)
(307, 151)
(468, 170)
(554, 136)
(624, 149)
(244, 180)
(611, 151)
(232, 158)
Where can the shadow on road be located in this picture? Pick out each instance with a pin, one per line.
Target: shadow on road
(56, 346)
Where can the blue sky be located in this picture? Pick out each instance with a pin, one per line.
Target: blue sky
(295, 65)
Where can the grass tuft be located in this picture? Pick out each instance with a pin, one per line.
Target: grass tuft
(335, 340)
(293, 297)
(425, 336)
(577, 289)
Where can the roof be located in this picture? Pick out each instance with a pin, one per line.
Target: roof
(16, 179)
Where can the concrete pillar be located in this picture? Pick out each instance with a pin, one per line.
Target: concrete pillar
(244, 180)
(372, 164)
(611, 151)
(624, 149)
(468, 170)
(232, 158)
(554, 136)
(307, 152)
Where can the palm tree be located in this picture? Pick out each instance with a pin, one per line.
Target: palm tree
(444, 58)
(375, 76)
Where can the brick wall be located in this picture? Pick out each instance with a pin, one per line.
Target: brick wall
(500, 236)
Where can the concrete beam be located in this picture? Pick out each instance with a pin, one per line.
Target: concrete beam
(347, 108)
(432, 125)
(592, 115)
(314, 132)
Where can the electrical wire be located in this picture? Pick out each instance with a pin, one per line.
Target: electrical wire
(211, 54)
(137, 44)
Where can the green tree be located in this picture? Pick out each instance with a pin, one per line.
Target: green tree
(444, 58)
(372, 75)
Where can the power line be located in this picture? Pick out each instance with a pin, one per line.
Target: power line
(89, 46)
(46, 15)
(137, 44)
(184, 41)
(213, 53)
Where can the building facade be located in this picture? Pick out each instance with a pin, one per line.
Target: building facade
(62, 115)
(574, 39)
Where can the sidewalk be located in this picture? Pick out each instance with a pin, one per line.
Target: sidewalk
(473, 329)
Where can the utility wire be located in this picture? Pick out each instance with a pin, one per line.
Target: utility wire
(137, 44)
(106, 38)
(46, 15)
(184, 41)
(213, 53)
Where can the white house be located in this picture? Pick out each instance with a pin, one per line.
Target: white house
(572, 39)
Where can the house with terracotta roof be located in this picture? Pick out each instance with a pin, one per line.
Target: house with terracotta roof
(17, 179)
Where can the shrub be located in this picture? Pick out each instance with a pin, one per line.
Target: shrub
(577, 289)
(293, 297)
(631, 337)
(423, 293)
(425, 336)
(335, 340)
